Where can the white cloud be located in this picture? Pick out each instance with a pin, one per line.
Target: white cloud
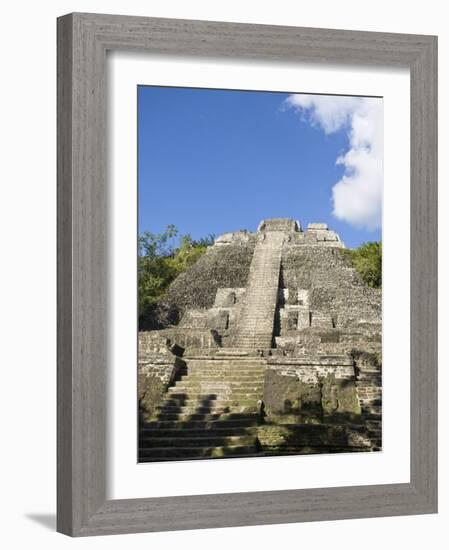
(357, 197)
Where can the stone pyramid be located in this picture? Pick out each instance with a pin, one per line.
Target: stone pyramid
(269, 344)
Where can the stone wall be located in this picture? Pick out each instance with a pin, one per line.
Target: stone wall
(159, 366)
(311, 387)
(224, 265)
(335, 288)
(188, 337)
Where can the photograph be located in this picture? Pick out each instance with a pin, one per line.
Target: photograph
(259, 273)
(234, 267)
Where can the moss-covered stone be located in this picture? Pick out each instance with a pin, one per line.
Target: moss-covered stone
(151, 392)
(287, 395)
(305, 439)
(363, 358)
(339, 396)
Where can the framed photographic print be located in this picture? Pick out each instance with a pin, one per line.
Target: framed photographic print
(247, 274)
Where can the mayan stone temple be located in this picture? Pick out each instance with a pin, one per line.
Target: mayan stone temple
(270, 344)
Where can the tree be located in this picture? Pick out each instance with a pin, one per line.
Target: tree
(367, 260)
(157, 244)
(161, 261)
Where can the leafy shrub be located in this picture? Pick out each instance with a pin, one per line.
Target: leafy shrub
(367, 260)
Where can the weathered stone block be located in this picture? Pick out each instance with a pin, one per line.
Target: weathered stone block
(339, 396)
(321, 320)
(151, 392)
(228, 297)
(219, 320)
(302, 297)
(229, 238)
(303, 319)
(279, 224)
(155, 374)
(194, 318)
(310, 237)
(319, 226)
(285, 394)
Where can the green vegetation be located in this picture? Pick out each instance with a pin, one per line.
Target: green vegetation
(367, 260)
(162, 257)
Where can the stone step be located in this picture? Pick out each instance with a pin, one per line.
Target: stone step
(223, 379)
(251, 334)
(235, 353)
(229, 362)
(375, 417)
(213, 379)
(374, 425)
(224, 370)
(370, 372)
(256, 320)
(215, 376)
(235, 365)
(197, 395)
(215, 409)
(266, 339)
(212, 387)
(222, 401)
(247, 406)
(175, 401)
(232, 397)
(229, 423)
(371, 401)
(151, 442)
(219, 381)
(186, 453)
(181, 432)
(257, 343)
(209, 390)
(288, 450)
(220, 358)
(205, 417)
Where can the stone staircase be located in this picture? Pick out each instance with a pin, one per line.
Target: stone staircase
(212, 411)
(256, 320)
(369, 390)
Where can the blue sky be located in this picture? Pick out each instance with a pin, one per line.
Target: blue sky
(213, 161)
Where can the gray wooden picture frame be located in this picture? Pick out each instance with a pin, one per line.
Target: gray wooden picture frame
(83, 40)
